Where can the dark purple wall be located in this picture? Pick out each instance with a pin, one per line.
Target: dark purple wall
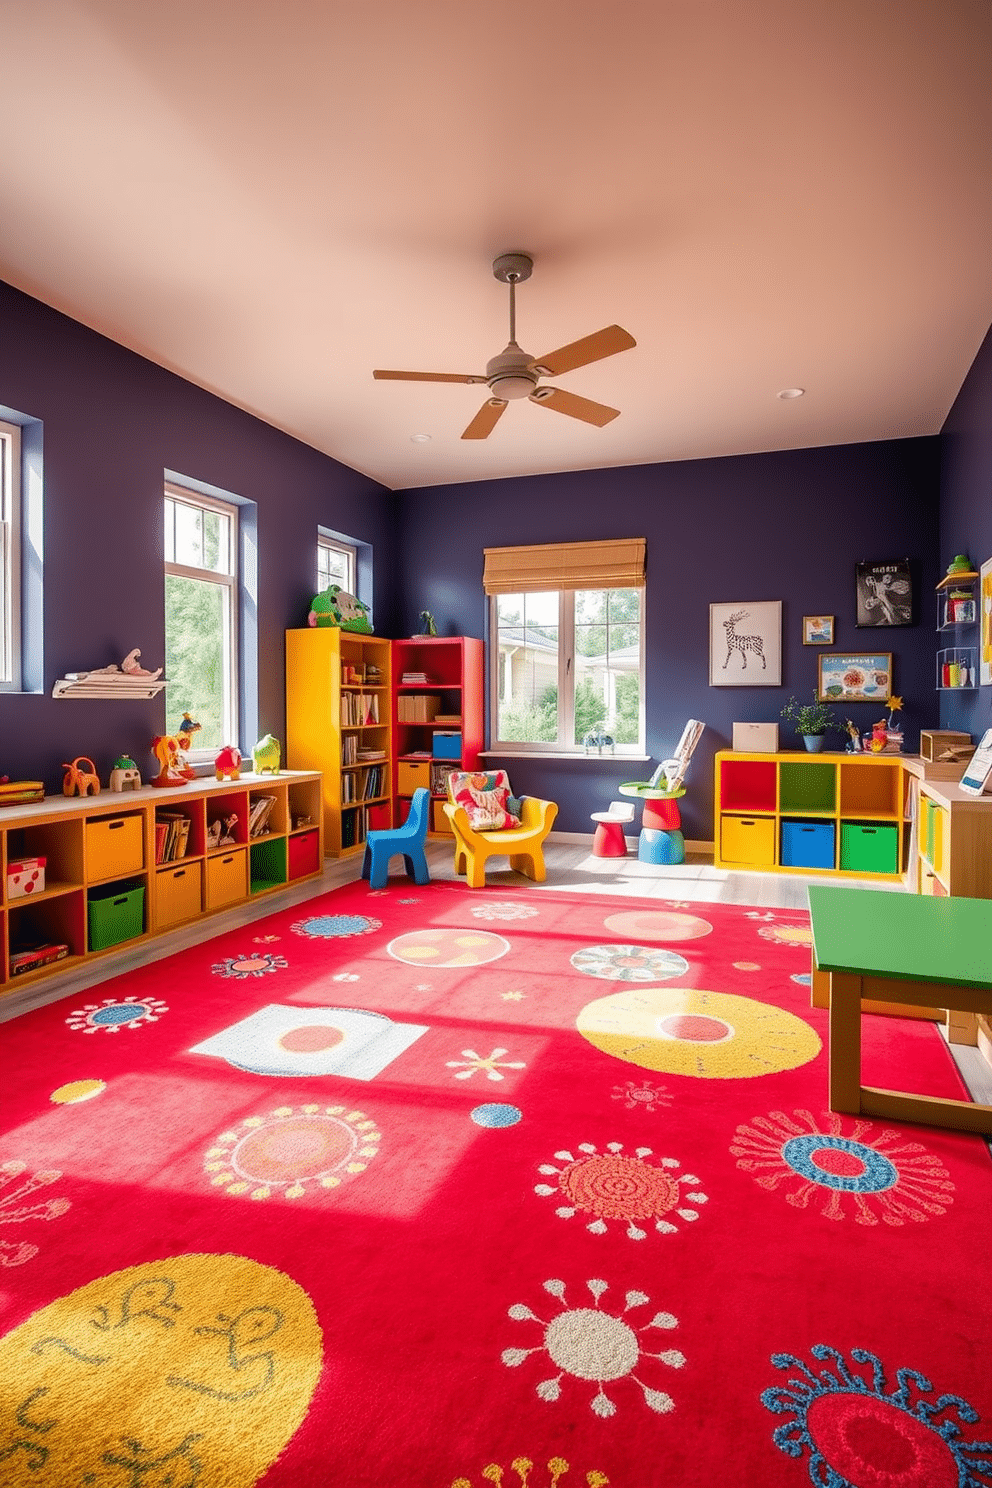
(113, 422)
(966, 509)
(787, 526)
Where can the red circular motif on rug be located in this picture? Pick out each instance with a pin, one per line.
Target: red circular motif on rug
(293, 1149)
(657, 924)
(867, 1440)
(619, 1188)
(695, 1028)
(837, 1163)
(310, 1038)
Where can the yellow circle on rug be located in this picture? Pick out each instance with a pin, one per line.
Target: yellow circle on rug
(76, 1091)
(193, 1369)
(713, 1035)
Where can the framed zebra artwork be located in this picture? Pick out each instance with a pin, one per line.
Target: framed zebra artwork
(746, 644)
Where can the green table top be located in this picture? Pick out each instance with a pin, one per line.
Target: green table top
(912, 937)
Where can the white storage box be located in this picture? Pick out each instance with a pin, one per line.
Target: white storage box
(26, 876)
(756, 738)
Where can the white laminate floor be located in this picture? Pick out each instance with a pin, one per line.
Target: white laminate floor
(571, 867)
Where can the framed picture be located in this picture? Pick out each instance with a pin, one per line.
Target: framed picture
(746, 644)
(985, 623)
(818, 630)
(854, 679)
(884, 593)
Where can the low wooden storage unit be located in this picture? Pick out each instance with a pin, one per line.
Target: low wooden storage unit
(119, 868)
(810, 813)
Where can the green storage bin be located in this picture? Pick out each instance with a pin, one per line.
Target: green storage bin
(115, 914)
(869, 847)
(268, 864)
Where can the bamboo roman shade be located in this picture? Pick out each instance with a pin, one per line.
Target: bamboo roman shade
(618, 564)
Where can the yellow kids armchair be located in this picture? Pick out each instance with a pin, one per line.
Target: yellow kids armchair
(488, 821)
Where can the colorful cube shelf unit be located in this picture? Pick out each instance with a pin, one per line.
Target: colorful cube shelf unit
(824, 813)
(83, 875)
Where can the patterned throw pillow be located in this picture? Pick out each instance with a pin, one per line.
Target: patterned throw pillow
(485, 796)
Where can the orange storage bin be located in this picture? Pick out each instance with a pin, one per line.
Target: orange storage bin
(114, 846)
(227, 879)
(178, 894)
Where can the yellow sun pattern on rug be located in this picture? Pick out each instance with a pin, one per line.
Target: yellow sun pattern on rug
(281, 1153)
(522, 1467)
(192, 1369)
(76, 1091)
(793, 935)
(713, 1035)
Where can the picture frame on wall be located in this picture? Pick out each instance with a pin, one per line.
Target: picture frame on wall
(861, 678)
(985, 623)
(746, 644)
(818, 630)
(884, 593)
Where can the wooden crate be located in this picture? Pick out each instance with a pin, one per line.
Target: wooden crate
(933, 742)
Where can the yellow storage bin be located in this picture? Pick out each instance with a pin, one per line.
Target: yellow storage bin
(748, 839)
(440, 822)
(178, 892)
(410, 774)
(227, 879)
(114, 846)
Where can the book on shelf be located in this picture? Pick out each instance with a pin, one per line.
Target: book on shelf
(367, 756)
(414, 679)
(448, 719)
(439, 777)
(29, 958)
(258, 816)
(416, 754)
(161, 832)
(171, 835)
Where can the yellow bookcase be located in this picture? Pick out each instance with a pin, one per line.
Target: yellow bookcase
(338, 722)
(810, 813)
(97, 878)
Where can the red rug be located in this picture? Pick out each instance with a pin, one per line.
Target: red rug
(431, 1187)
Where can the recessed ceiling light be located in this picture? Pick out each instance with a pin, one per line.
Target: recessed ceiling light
(791, 393)
(420, 439)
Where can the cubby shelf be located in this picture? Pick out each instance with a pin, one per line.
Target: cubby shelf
(806, 813)
(106, 883)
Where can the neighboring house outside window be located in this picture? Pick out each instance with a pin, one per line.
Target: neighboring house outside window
(201, 617)
(10, 556)
(566, 653)
(336, 564)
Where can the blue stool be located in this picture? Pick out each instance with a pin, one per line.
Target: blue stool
(657, 846)
(407, 839)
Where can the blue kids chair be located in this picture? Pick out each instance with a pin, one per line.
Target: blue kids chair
(407, 839)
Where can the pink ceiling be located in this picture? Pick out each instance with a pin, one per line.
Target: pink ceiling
(272, 199)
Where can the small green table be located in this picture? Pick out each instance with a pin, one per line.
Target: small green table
(899, 948)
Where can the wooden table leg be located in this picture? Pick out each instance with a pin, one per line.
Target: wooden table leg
(845, 1043)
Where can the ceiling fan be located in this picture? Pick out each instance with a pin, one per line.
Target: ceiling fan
(515, 373)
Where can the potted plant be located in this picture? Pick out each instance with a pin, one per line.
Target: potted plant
(811, 720)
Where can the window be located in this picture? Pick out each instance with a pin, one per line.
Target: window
(201, 608)
(10, 556)
(335, 564)
(566, 657)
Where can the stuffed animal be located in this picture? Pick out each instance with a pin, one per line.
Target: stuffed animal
(228, 763)
(266, 754)
(335, 606)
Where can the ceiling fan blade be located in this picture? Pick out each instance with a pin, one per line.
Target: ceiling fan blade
(486, 419)
(594, 348)
(429, 376)
(573, 405)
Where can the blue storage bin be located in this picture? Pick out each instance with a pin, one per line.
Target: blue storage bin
(807, 844)
(447, 746)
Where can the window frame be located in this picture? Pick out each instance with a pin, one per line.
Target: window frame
(229, 582)
(11, 520)
(326, 543)
(565, 681)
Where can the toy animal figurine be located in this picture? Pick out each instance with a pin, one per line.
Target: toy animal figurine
(186, 730)
(227, 765)
(265, 755)
(125, 775)
(879, 736)
(165, 748)
(854, 747)
(335, 606)
(80, 778)
(132, 668)
(227, 838)
(427, 626)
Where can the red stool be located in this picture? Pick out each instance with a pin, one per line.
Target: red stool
(608, 839)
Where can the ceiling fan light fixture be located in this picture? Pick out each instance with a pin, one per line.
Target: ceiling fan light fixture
(511, 385)
(791, 393)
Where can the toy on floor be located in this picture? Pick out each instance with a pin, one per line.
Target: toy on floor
(608, 840)
(125, 774)
(80, 778)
